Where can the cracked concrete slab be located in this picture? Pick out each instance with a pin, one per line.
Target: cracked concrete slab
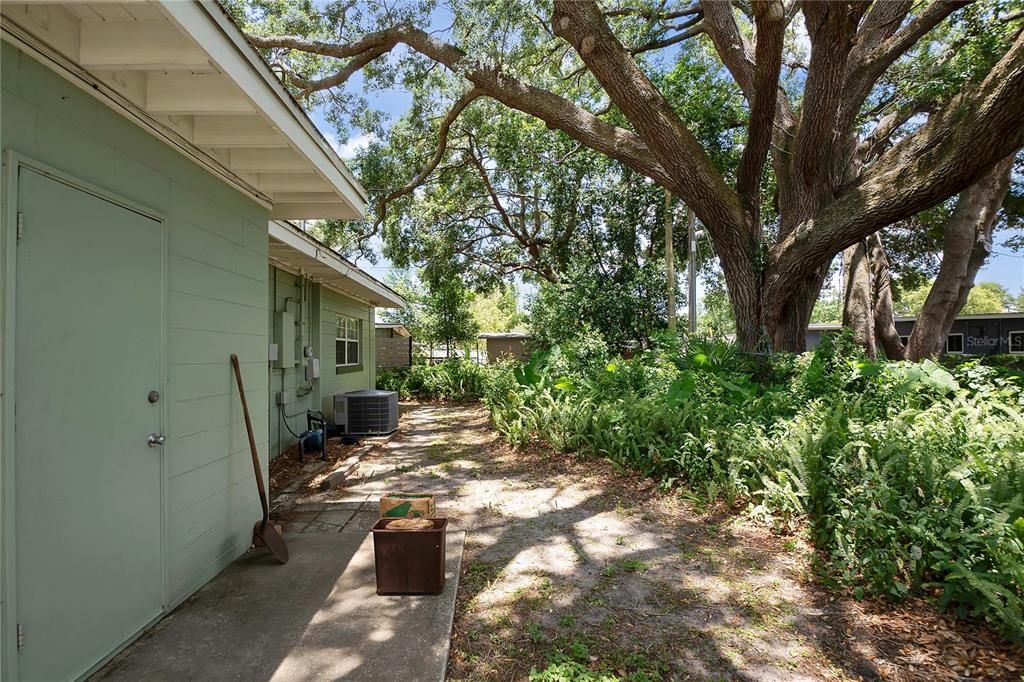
(316, 618)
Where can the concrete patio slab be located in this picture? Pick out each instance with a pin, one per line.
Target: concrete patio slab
(316, 618)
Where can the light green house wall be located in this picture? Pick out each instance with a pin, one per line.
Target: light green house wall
(335, 304)
(216, 264)
(315, 309)
(289, 293)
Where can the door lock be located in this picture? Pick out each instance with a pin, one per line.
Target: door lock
(156, 439)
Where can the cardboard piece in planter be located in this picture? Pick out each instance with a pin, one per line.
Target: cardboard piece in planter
(408, 505)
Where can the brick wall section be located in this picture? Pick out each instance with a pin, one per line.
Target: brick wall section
(392, 352)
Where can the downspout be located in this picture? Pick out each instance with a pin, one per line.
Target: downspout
(270, 368)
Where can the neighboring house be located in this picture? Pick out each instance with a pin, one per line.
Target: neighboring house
(394, 346)
(970, 334)
(816, 330)
(146, 149)
(505, 345)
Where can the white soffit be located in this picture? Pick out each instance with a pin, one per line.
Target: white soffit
(184, 71)
(298, 252)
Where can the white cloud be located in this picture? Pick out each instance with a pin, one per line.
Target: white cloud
(353, 146)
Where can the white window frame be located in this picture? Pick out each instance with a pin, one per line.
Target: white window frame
(1009, 342)
(343, 331)
(962, 347)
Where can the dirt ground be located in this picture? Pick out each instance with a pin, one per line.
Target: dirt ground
(569, 562)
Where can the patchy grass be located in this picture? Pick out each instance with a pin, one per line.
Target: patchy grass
(575, 571)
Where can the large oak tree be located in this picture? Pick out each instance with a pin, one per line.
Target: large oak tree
(583, 68)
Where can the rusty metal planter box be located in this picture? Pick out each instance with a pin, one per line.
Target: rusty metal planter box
(409, 561)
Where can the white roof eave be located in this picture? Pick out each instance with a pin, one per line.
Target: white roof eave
(304, 254)
(214, 31)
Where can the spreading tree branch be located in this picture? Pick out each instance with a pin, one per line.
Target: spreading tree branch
(493, 196)
(439, 151)
(769, 17)
(556, 112)
(671, 40)
(307, 86)
(951, 151)
(738, 57)
(654, 15)
(831, 27)
(880, 43)
(692, 175)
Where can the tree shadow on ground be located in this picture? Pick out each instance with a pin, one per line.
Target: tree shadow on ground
(568, 559)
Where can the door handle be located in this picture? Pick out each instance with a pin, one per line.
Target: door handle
(156, 439)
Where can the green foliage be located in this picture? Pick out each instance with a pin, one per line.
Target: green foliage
(411, 316)
(454, 379)
(447, 317)
(622, 308)
(985, 297)
(828, 308)
(571, 661)
(908, 477)
(496, 311)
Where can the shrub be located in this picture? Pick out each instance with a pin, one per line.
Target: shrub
(455, 379)
(908, 477)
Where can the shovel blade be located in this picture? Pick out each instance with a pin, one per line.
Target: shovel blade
(266, 534)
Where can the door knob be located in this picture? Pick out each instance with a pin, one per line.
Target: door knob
(156, 439)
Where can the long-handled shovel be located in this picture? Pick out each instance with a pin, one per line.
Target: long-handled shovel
(263, 533)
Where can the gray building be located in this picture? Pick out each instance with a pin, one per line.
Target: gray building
(506, 345)
(987, 334)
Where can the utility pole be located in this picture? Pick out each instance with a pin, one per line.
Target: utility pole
(670, 263)
(691, 266)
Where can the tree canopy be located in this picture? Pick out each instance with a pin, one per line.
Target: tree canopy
(844, 117)
(985, 297)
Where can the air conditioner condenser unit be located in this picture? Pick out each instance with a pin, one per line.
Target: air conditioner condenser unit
(340, 411)
(372, 411)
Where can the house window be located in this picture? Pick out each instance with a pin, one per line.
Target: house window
(955, 343)
(346, 343)
(1016, 342)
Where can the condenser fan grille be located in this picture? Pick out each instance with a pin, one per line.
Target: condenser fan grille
(372, 411)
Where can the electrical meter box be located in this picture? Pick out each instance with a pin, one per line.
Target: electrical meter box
(284, 337)
(312, 368)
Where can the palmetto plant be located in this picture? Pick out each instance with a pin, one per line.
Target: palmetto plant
(908, 477)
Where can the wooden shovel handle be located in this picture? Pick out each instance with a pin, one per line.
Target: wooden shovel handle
(257, 468)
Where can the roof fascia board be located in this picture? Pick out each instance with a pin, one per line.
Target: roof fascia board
(298, 272)
(976, 316)
(206, 23)
(297, 241)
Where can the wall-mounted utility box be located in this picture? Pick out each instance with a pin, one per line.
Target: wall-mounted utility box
(312, 368)
(284, 337)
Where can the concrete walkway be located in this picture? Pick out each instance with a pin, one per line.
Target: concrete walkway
(316, 618)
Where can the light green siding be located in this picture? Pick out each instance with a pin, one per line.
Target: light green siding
(332, 305)
(289, 293)
(314, 308)
(216, 264)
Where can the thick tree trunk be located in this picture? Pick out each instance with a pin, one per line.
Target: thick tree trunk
(743, 284)
(964, 250)
(886, 334)
(788, 331)
(858, 302)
